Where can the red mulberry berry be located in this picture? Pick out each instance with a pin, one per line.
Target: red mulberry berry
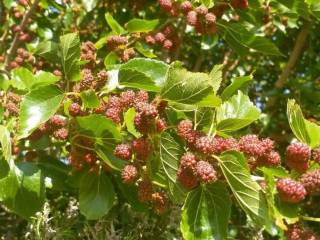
(61, 134)
(311, 181)
(241, 4)
(187, 178)
(142, 123)
(58, 121)
(188, 160)
(142, 96)
(267, 144)
(145, 191)
(202, 10)
(12, 109)
(149, 40)
(205, 172)
(113, 114)
(205, 144)
(142, 147)
(75, 109)
(210, 18)
(114, 102)
(166, 5)
(296, 232)
(192, 18)
(270, 159)
(13, 97)
(123, 151)
(184, 127)
(102, 108)
(161, 125)
(160, 202)
(296, 155)
(251, 145)
(30, 156)
(127, 99)
(290, 190)
(186, 6)
(167, 44)
(129, 174)
(224, 144)
(160, 37)
(147, 110)
(114, 41)
(90, 158)
(316, 154)
(57, 73)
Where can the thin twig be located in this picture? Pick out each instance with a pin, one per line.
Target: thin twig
(15, 42)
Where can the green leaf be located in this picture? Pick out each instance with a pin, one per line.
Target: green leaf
(247, 192)
(44, 78)
(37, 107)
(306, 131)
(99, 126)
(22, 79)
(186, 87)
(23, 190)
(141, 25)
(96, 195)
(170, 153)
(5, 142)
(111, 59)
(70, 56)
(216, 77)
(239, 83)
(89, 99)
(236, 113)
(129, 121)
(89, 5)
(114, 25)
(146, 52)
(48, 50)
(206, 213)
(8, 3)
(243, 41)
(143, 73)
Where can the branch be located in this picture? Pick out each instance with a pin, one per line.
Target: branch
(15, 42)
(295, 55)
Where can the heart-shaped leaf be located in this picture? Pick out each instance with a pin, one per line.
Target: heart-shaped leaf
(238, 83)
(141, 25)
(206, 213)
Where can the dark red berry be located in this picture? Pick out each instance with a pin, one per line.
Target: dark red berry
(160, 202)
(161, 125)
(61, 134)
(160, 37)
(290, 190)
(210, 18)
(184, 127)
(142, 96)
(143, 123)
(241, 4)
(30, 156)
(224, 144)
(166, 5)
(186, 6)
(114, 102)
(90, 158)
(75, 109)
(114, 114)
(147, 110)
(145, 191)
(316, 154)
(123, 151)
(205, 172)
(251, 145)
(149, 39)
(167, 44)
(297, 156)
(187, 178)
(192, 18)
(311, 181)
(127, 99)
(270, 159)
(188, 160)
(205, 145)
(202, 10)
(129, 174)
(58, 121)
(142, 147)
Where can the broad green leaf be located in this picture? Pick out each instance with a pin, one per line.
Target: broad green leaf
(114, 25)
(8, 3)
(146, 52)
(5, 142)
(141, 25)
(236, 113)
(89, 99)
(243, 41)
(129, 120)
(247, 192)
(23, 190)
(306, 131)
(239, 83)
(177, 192)
(99, 126)
(143, 73)
(170, 153)
(37, 107)
(216, 77)
(186, 87)
(202, 117)
(206, 213)
(48, 50)
(70, 56)
(89, 5)
(22, 79)
(96, 195)
(297, 6)
(4, 82)
(44, 78)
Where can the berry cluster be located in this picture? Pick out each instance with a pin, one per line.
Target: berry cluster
(298, 156)
(90, 81)
(88, 53)
(11, 105)
(297, 232)
(241, 4)
(311, 181)
(22, 57)
(56, 127)
(167, 38)
(118, 44)
(192, 171)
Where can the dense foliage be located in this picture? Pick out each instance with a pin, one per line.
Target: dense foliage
(163, 119)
